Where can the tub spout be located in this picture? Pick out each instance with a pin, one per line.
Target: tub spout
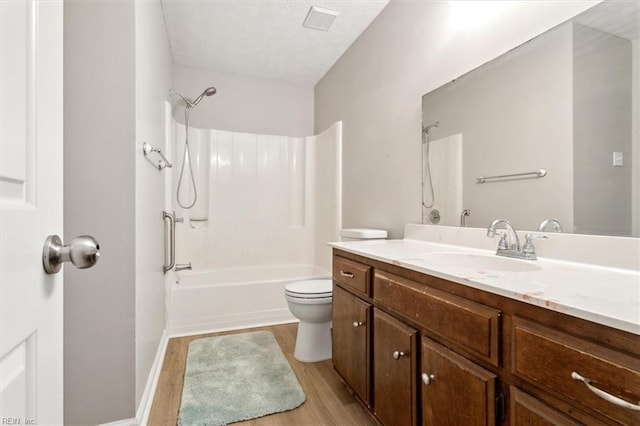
(183, 267)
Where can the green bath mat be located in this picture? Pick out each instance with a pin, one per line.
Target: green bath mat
(236, 377)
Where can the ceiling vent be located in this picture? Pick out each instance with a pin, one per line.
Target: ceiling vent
(319, 18)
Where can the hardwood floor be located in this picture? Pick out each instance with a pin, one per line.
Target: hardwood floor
(328, 401)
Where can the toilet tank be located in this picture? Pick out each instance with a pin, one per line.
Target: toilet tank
(353, 234)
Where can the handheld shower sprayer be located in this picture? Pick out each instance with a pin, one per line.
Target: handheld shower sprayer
(426, 166)
(427, 129)
(186, 158)
(209, 91)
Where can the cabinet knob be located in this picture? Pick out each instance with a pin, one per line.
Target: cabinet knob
(357, 324)
(347, 274)
(397, 354)
(427, 379)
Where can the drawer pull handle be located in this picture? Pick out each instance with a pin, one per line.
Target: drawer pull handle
(397, 354)
(357, 324)
(346, 274)
(427, 379)
(604, 395)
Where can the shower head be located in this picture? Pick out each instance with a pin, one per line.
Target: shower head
(427, 129)
(209, 91)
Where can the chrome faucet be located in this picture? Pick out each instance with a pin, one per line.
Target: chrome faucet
(183, 267)
(509, 244)
(554, 222)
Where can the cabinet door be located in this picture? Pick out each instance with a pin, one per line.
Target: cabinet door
(526, 410)
(394, 367)
(350, 339)
(455, 391)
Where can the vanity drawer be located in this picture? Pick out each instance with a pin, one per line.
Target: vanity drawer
(354, 275)
(473, 326)
(550, 358)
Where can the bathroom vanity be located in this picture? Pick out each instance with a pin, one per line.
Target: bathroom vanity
(439, 344)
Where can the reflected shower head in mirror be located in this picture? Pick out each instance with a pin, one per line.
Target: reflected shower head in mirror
(427, 129)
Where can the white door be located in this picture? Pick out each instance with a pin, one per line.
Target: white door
(31, 364)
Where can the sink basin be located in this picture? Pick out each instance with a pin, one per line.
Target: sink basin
(479, 262)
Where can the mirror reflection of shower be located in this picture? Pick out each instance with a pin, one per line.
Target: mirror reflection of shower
(426, 169)
(186, 157)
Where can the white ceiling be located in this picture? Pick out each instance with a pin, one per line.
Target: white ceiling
(263, 38)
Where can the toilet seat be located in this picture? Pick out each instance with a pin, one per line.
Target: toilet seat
(310, 289)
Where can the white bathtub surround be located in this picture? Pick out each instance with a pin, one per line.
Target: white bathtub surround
(608, 295)
(267, 206)
(266, 200)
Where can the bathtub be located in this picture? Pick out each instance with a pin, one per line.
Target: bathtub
(233, 298)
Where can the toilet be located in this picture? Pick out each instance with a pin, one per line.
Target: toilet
(311, 302)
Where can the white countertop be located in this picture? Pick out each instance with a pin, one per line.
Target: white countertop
(603, 295)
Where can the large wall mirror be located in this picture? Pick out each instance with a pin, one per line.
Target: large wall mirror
(549, 130)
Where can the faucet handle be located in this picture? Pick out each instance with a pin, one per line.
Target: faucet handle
(502, 244)
(528, 249)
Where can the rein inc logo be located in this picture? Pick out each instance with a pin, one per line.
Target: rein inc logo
(17, 421)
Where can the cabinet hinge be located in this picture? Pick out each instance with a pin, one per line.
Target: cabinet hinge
(500, 409)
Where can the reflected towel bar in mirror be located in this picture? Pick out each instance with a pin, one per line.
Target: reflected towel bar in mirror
(537, 174)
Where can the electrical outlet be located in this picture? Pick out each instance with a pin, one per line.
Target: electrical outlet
(618, 159)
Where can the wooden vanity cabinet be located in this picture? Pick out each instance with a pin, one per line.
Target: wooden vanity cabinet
(526, 410)
(455, 391)
(350, 340)
(394, 370)
(418, 349)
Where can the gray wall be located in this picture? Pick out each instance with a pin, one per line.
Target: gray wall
(376, 87)
(99, 199)
(602, 87)
(246, 103)
(635, 46)
(153, 79)
(515, 115)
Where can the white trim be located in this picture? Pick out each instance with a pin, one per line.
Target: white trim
(236, 321)
(220, 327)
(127, 422)
(142, 415)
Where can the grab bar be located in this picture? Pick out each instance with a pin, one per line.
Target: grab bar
(169, 246)
(537, 174)
(463, 215)
(148, 149)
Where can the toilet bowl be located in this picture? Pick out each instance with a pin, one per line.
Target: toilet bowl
(310, 302)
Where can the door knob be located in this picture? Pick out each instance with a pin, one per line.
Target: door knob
(83, 252)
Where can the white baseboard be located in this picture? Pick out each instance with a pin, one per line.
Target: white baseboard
(127, 422)
(142, 415)
(221, 329)
(231, 322)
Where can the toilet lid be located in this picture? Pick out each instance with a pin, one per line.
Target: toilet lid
(310, 288)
